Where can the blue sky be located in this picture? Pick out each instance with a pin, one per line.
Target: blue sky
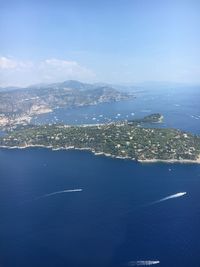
(121, 41)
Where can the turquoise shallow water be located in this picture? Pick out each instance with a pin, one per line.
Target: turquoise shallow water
(111, 222)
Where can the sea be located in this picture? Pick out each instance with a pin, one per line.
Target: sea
(74, 209)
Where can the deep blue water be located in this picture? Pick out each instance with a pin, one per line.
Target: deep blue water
(107, 224)
(111, 222)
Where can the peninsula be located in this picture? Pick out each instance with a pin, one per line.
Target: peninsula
(117, 139)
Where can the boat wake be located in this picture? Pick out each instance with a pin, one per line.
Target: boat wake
(181, 194)
(60, 192)
(142, 263)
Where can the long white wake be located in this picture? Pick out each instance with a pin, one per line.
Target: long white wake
(60, 192)
(181, 194)
(143, 263)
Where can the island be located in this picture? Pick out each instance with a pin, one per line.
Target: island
(117, 139)
(152, 118)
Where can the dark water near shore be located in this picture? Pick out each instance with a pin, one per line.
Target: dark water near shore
(111, 222)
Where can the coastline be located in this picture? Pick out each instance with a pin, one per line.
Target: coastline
(185, 161)
(143, 161)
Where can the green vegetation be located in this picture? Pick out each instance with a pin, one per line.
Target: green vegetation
(115, 139)
(152, 118)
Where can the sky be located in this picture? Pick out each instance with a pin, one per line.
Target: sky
(121, 41)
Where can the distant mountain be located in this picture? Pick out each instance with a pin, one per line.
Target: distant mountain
(66, 84)
(9, 88)
(21, 104)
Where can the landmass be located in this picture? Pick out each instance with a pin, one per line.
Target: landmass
(20, 105)
(117, 139)
(152, 118)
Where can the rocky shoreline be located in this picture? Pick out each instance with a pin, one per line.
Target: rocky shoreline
(184, 161)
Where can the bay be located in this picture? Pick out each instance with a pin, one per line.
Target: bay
(71, 208)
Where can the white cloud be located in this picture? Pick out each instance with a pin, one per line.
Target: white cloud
(6, 63)
(56, 70)
(22, 73)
